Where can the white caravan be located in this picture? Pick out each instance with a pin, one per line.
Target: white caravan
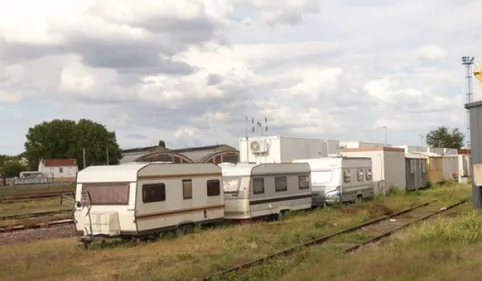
(339, 179)
(146, 199)
(259, 190)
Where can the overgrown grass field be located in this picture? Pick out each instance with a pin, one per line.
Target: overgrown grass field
(423, 252)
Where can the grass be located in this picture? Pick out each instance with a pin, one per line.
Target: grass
(33, 189)
(34, 206)
(442, 249)
(196, 255)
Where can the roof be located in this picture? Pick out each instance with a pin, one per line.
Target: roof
(473, 104)
(59, 162)
(240, 169)
(414, 155)
(113, 173)
(375, 148)
(427, 154)
(195, 154)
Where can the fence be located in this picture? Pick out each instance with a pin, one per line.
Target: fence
(37, 181)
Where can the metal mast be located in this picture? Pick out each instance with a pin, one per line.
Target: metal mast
(468, 62)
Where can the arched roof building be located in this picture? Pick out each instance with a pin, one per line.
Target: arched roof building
(206, 154)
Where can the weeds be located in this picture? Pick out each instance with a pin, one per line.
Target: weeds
(464, 230)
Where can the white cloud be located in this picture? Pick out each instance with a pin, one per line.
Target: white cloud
(6, 97)
(432, 53)
(189, 71)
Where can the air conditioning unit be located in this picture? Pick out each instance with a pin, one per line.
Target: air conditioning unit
(257, 146)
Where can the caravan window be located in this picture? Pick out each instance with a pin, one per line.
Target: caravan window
(359, 174)
(187, 189)
(304, 182)
(231, 185)
(153, 192)
(346, 176)
(258, 185)
(213, 187)
(280, 184)
(368, 175)
(108, 194)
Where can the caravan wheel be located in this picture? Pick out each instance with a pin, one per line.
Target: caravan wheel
(282, 215)
(179, 231)
(188, 228)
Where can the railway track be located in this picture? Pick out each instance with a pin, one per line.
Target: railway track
(34, 215)
(38, 225)
(375, 230)
(19, 198)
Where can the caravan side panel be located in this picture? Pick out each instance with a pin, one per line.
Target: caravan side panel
(285, 187)
(170, 195)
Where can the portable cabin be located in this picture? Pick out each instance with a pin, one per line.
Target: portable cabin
(388, 166)
(450, 167)
(415, 171)
(260, 190)
(140, 199)
(434, 166)
(464, 171)
(339, 179)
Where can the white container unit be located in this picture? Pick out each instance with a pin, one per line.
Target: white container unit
(388, 165)
(464, 165)
(360, 144)
(147, 199)
(260, 190)
(339, 179)
(450, 167)
(280, 149)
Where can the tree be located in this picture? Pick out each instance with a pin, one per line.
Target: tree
(61, 139)
(12, 168)
(444, 137)
(162, 143)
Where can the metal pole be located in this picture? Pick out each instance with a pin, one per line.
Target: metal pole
(107, 154)
(83, 156)
(247, 145)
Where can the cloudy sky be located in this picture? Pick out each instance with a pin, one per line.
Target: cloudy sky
(189, 71)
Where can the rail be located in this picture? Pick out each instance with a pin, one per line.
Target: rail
(38, 225)
(34, 215)
(324, 239)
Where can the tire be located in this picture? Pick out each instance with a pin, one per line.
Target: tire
(179, 231)
(282, 215)
(188, 229)
(359, 199)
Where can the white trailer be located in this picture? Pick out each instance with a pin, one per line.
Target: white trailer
(280, 149)
(340, 179)
(253, 191)
(147, 199)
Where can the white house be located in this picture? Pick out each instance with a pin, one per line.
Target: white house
(59, 169)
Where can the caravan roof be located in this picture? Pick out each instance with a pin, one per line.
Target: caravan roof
(240, 169)
(114, 173)
(322, 162)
